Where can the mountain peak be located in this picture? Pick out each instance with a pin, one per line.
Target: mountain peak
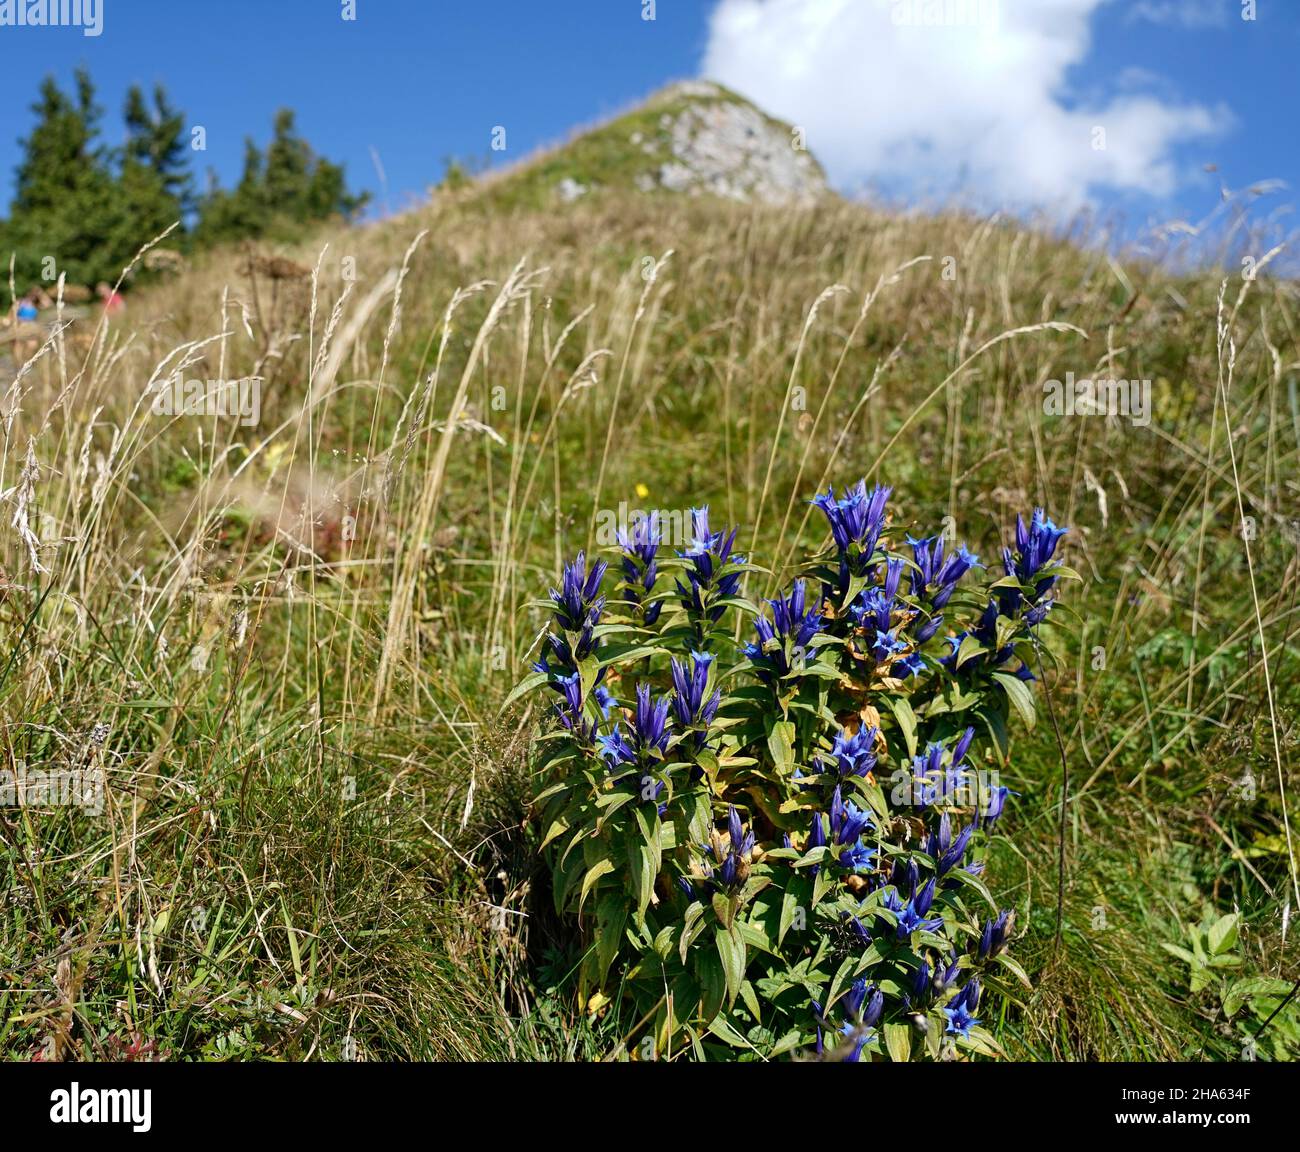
(692, 138)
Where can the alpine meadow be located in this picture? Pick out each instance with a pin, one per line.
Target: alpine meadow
(640, 602)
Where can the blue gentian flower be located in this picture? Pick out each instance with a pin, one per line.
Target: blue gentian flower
(856, 522)
(905, 874)
(848, 821)
(935, 576)
(640, 569)
(912, 916)
(921, 988)
(614, 748)
(860, 1009)
(951, 856)
(577, 603)
(996, 934)
(853, 754)
(570, 710)
(1031, 564)
(927, 630)
(997, 801)
(793, 625)
(732, 856)
(690, 705)
(650, 721)
(708, 553)
(857, 857)
(945, 975)
(961, 1009)
(911, 665)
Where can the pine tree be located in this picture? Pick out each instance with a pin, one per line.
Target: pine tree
(64, 189)
(280, 193)
(156, 140)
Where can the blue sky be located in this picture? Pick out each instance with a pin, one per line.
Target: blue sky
(994, 115)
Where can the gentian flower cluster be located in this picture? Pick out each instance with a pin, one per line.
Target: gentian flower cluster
(848, 822)
(996, 934)
(783, 641)
(691, 707)
(913, 916)
(647, 739)
(731, 856)
(856, 520)
(713, 573)
(577, 605)
(640, 548)
(939, 776)
(935, 576)
(839, 737)
(946, 850)
(1029, 566)
(860, 1010)
(879, 615)
(927, 982)
(852, 754)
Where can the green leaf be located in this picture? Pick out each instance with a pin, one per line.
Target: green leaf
(558, 828)
(970, 648)
(611, 915)
(1013, 966)
(731, 949)
(692, 926)
(789, 910)
(1181, 953)
(970, 880)
(526, 685)
(1250, 988)
(724, 908)
(905, 718)
(898, 1042)
(1223, 934)
(620, 653)
(780, 743)
(726, 1033)
(1021, 698)
(713, 982)
(642, 876)
(594, 873)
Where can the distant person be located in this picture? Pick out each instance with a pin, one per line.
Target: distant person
(113, 302)
(24, 315)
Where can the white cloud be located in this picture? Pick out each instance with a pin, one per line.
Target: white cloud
(973, 105)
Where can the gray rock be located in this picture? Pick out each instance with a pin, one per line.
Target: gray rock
(569, 189)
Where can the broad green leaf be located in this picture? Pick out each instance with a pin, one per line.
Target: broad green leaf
(905, 718)
(1223, 934)
(611, 915)
(726, 1033)
(1250, 988)
(1021, 698)
(898, 1042)
(526, 685)
(780, 743)
(731, 949)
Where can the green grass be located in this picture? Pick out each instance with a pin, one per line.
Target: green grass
(316, 841)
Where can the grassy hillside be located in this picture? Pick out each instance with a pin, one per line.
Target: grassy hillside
(286, 644)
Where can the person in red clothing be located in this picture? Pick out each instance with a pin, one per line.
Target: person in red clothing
(113, 302)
